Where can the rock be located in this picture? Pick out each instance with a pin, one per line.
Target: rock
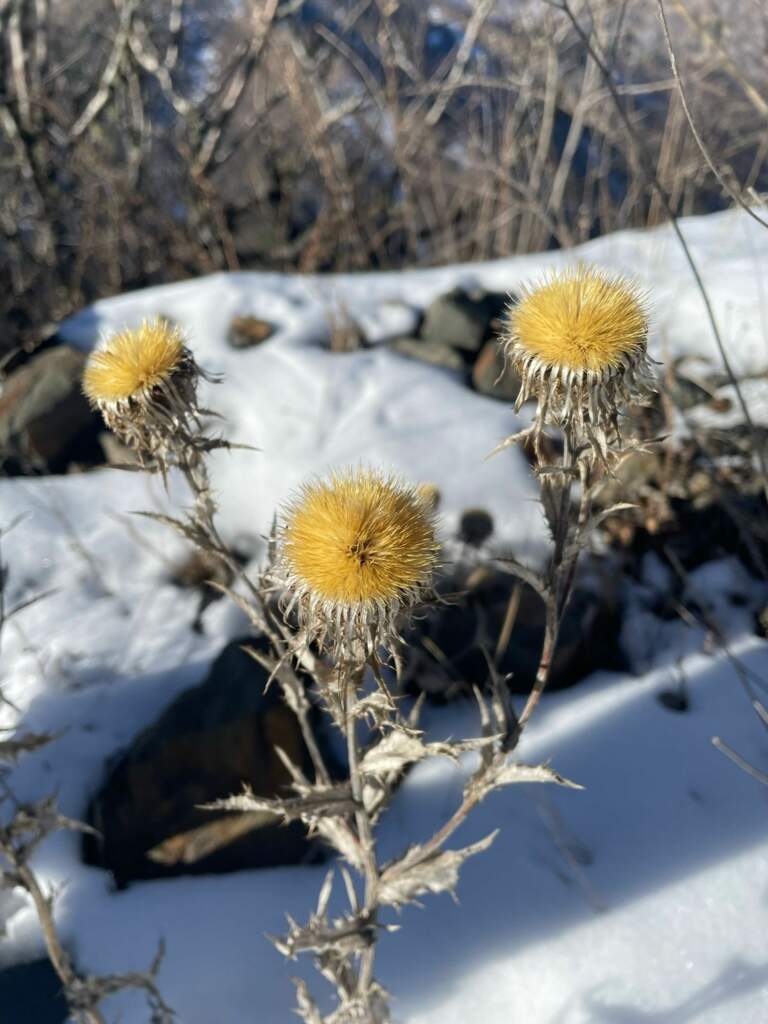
(493, 376)
(463, 319)
(433, 352)
(210, 741)
(33, 992)
(475, 526)
(445, 655)
(45, 420)
(247, 331)
(676, 699)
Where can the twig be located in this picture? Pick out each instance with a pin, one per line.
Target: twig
(737, 759)
(692, 124)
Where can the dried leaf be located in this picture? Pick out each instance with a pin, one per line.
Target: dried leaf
(193, 845)
(351, 934)
(391, 754)
(439, 872)
(402, 747)
(513, 772)
(305, 1004)
(319, 800)
(340, 836)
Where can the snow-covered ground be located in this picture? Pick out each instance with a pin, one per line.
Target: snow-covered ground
(642, 899)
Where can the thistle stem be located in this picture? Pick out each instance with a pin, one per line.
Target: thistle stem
(354, 678)
(562, 568)
(56, 953)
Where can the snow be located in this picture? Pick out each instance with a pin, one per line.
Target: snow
(641, 900)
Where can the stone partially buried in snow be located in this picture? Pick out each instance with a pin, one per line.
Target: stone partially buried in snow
(463, 319)
(45, 420)
(211, 740)
(492, 375)
(247, 331)
(433, 352)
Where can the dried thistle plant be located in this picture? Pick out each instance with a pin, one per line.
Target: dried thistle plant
(353, 555)
(144, 383)
(579, 342)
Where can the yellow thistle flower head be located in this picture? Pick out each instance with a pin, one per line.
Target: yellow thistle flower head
(355, 550)
(133, 363)
(144, 383)
(582, 320)
(579, 342)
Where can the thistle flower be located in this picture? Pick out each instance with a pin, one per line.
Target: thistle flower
(355, 551)
(579, 342)
(144, 383)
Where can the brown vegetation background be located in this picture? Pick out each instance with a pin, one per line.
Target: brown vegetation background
(144, 141)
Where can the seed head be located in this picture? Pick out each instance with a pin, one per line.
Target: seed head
(579, 342)
(144, 383)
(133, 363)
(355, 551)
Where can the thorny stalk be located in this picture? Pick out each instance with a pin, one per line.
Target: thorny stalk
(345, 814)
(341, 651)
(568, 537)
(23, 827)
(365, 838)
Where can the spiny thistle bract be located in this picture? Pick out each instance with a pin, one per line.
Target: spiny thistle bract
(579, 342)
(355, 551)
(144, 383)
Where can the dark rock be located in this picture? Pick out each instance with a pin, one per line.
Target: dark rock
(493, 376)
(45, 420)
(463, 319)
(446, 645)
(475, 526)
(33, 994)
(247, 331)
(674, 699)
(433, 352)
(209, 742)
